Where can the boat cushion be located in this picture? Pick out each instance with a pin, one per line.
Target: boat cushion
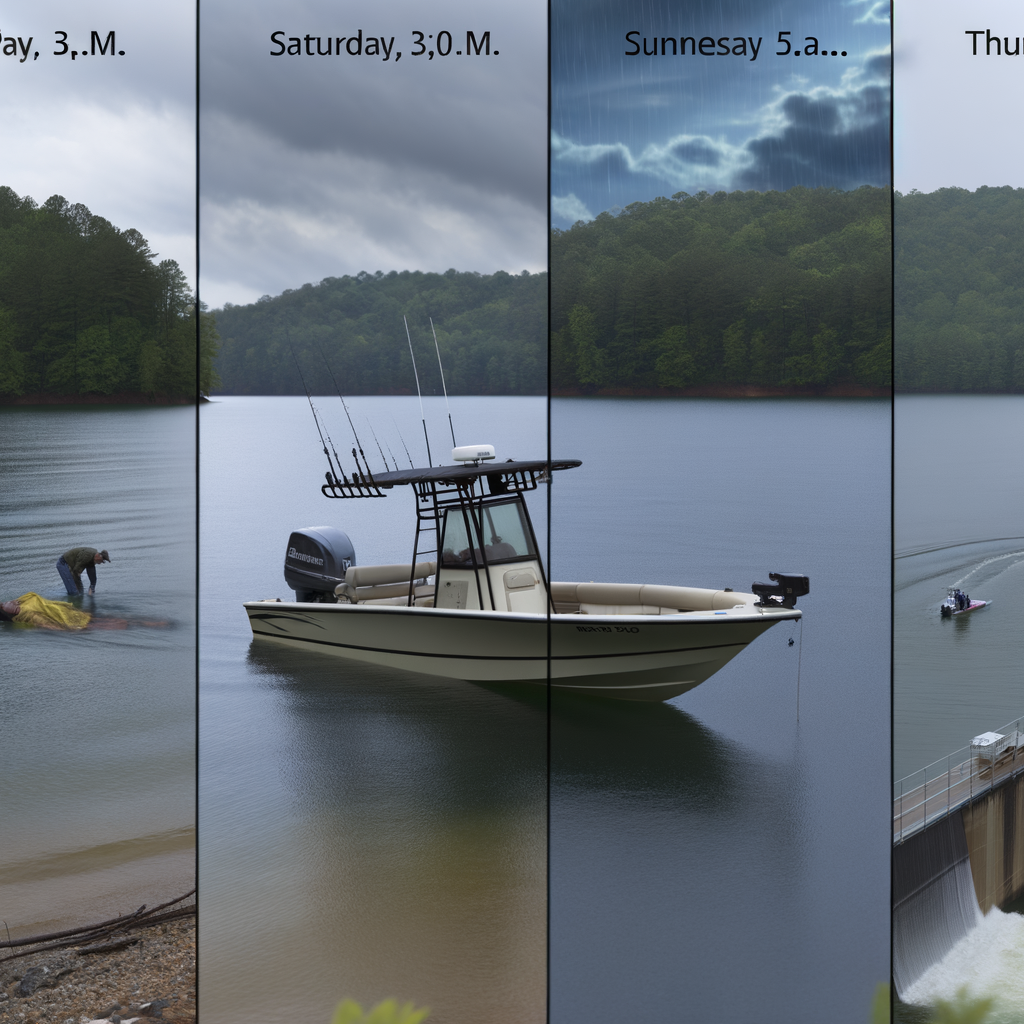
(625, 609)
(376, 575)
(687, 599)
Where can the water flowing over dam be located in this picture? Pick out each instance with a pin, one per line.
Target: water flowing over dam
(934, 904)
(958, 830)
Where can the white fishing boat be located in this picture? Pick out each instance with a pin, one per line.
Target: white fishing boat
(474, 602)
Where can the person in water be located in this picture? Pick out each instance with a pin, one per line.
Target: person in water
(35, 611)
(72, 563)
(32, 610)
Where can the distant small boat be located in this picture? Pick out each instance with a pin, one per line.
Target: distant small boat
(957, 602)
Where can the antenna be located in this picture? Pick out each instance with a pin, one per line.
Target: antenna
(441, 368)
(423, 418)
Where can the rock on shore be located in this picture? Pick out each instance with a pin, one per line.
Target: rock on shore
(148, 974)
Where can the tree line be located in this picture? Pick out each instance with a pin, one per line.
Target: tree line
(959, 290)
(85, 309)
(787, 291)
(491, 333)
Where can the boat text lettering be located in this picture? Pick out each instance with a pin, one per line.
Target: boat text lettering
(301, 557)
(607, 629)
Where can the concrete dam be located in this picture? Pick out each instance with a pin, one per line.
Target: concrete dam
(958, 848)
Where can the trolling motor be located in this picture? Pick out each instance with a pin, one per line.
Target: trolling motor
(788, 587)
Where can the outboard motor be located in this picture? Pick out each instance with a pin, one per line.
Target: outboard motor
(788, 587)
(316, 561)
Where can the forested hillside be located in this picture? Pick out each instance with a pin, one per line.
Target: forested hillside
(491, 331)
(959, 276)
(785, 291)
(85, 309)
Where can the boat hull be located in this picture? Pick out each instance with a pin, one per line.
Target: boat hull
(948, 611)
(632, 657)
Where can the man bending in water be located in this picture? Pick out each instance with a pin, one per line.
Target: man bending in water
(73, 563)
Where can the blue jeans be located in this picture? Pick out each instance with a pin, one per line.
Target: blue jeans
(68, 577)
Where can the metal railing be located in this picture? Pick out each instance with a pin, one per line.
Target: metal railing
(943, 786)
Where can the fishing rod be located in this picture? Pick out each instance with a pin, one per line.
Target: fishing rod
(381, 450)
(404, 445)
(441, 368)
(423, 418)
(316, 419)
(345, 407)
(392, 454)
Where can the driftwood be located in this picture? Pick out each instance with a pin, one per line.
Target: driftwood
(141, 918)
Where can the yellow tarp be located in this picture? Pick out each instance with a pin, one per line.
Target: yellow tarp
(37, 611)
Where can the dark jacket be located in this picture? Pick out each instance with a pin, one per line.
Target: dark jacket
(79, 560)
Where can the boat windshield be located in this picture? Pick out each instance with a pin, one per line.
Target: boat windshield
(505, 535)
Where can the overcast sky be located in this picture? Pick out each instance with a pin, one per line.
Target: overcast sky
(319, 166)
(629, 128)
(955, 118)
(116, 133)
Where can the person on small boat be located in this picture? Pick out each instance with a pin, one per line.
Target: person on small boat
(73, 563)
(499, 548)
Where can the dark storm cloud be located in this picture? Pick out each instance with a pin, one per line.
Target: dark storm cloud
(836, 141)
(630, 126)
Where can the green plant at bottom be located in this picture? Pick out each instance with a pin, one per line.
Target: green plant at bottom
(962, 1010)
(880, 1013)
(348, 1011)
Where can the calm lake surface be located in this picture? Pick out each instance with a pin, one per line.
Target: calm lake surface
(368, 833)
(98, 728)
(959, 521)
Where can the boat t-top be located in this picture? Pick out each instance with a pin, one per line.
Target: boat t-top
(957, 602)
(474, 602)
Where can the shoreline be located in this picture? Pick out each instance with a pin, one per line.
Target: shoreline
(730, 391)
(135, 971)
(121, 398)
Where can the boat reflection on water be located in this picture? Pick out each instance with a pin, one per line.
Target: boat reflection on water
(432, 796)
(414, 826)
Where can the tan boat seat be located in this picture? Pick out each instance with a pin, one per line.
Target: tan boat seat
(625, 609)
(386, 584)
(570, 596)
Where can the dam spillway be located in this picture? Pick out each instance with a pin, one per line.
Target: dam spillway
(958, 848)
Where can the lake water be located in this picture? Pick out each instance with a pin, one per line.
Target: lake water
(98, 728)
(959, 521)
(369, 833)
